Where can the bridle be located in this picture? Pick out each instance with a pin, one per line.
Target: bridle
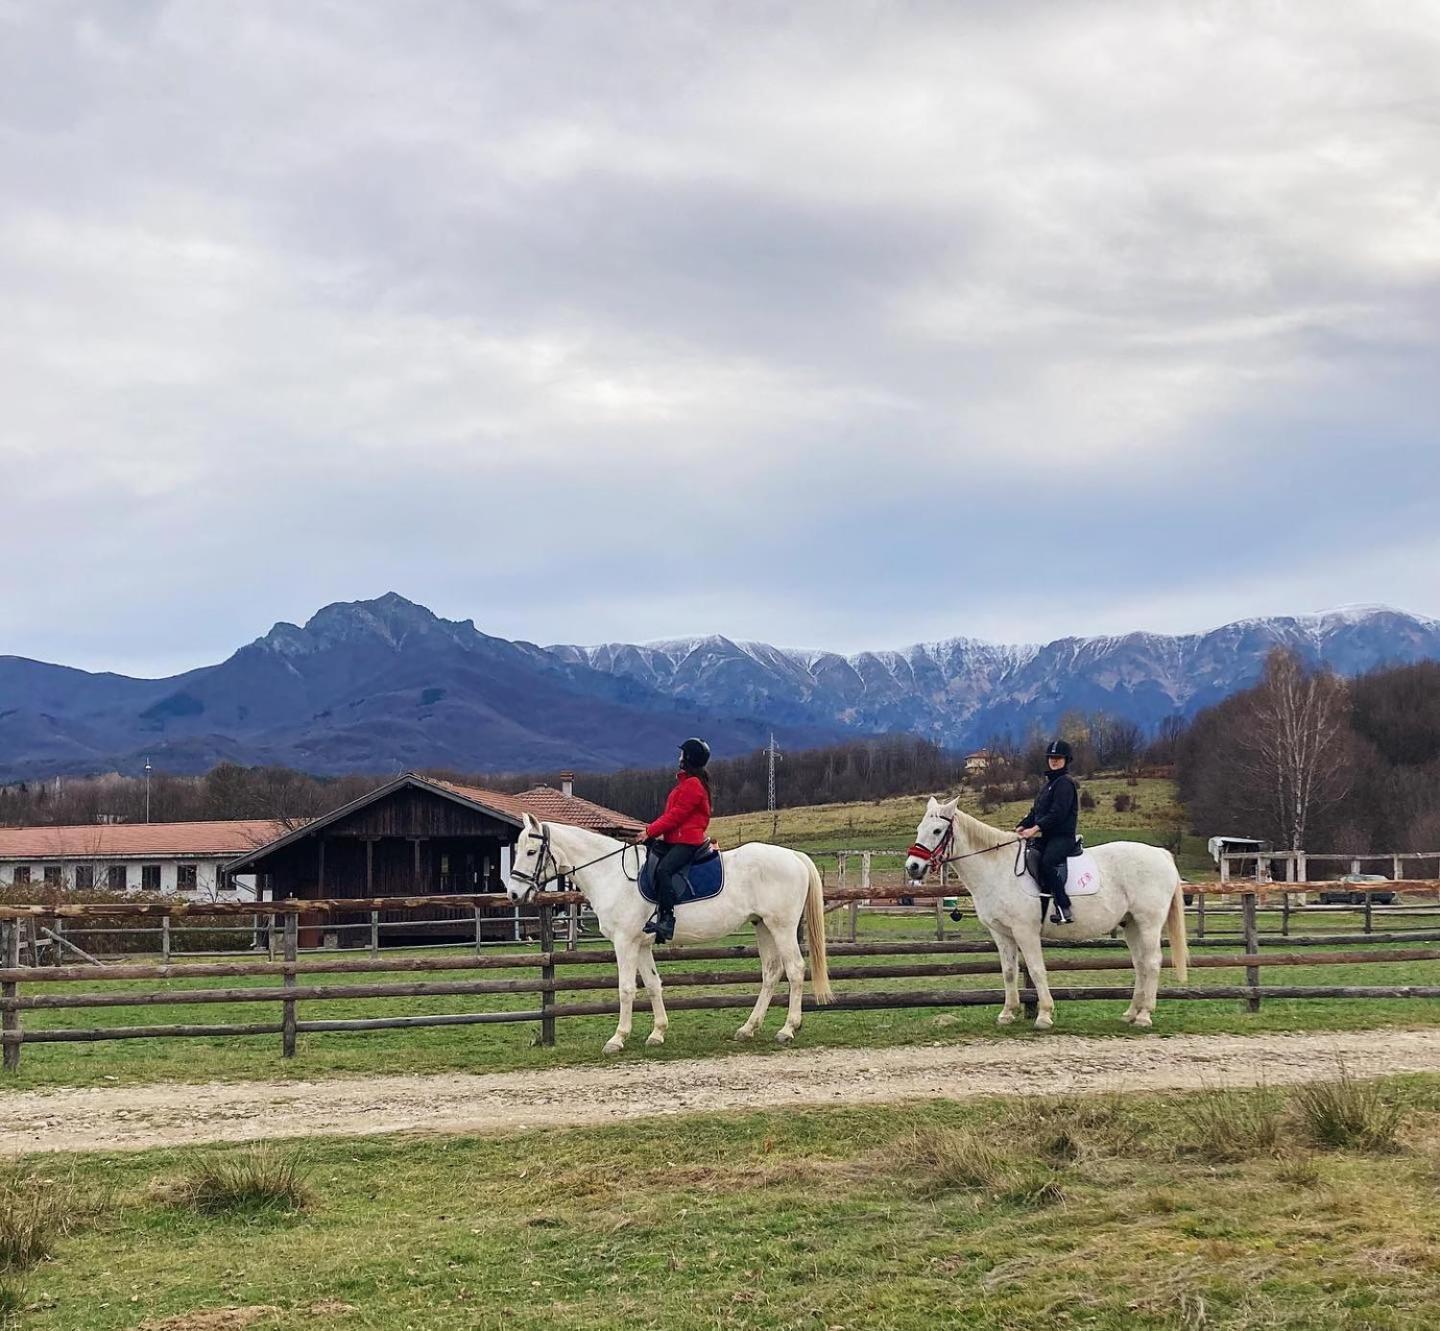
(537, 880)
(935, 857)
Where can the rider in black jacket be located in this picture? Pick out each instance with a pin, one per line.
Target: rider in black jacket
(1051, 821)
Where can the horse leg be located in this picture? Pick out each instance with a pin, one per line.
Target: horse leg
(1010, 973)
(651, 976)
(626, 959)
(1029, 944)
(793, 959)
(769, 977)
(1146, 958)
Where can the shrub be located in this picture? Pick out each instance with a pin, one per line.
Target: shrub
(1346, 1112)
(1087, 800)
(258, 1181)
(1123, 803)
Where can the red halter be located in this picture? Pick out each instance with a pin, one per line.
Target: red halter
(936, 856)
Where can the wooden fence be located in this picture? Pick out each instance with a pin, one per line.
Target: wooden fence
(60, 987)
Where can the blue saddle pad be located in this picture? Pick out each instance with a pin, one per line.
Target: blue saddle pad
(702, 880)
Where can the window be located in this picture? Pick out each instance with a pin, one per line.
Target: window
(185, 878)
(52, 875)
(117, 878)
(84, 876)
(21, 876)
(149, 877)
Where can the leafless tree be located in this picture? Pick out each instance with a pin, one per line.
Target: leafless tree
(1295, 744)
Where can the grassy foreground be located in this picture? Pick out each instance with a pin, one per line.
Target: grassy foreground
(1211, 1210)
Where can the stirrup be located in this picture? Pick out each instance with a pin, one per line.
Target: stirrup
(1061, 915)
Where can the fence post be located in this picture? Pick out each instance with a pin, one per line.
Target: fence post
(1252, 946)
(573, 924)
(478, 948)
(270, 937)
(547, 975)
(1200, 895)
(292, 950)
(1369, 912)
(164, 940)
(374, 933)
(11, 989)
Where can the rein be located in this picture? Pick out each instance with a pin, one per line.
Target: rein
(937, 857)
(536, 883)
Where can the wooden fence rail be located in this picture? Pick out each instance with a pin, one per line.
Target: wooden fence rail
(297, 983)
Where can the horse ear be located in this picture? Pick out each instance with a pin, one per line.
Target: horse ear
(933, 805)
(532, 824)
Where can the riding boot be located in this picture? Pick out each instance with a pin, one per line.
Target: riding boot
(1060, 914)
(662, 923)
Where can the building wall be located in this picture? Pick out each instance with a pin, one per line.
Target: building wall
(207, 875)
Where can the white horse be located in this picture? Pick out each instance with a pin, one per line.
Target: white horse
(769, 886)
(1140, 892)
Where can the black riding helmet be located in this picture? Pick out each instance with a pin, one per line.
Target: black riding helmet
(694, 754)
(1060, 749)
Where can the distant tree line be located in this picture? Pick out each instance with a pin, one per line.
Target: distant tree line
(1310, 760)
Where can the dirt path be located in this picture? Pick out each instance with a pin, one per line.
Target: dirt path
(169, 1115)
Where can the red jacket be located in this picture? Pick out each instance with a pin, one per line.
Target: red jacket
(687, 813)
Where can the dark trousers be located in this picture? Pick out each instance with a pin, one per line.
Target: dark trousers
(1054, 871)
(673, 859)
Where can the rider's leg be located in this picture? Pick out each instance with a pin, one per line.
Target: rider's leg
(1053, 873)
(675, 859)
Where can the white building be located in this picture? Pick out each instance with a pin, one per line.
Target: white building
(175, 859)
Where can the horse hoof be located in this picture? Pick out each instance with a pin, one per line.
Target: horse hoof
(1044, 1022)
(655, 1037)
(613, 1046)
(783, 1036)
(745, 1033)
(1142, 1019)
(1005, 1019)
(1129, 1017)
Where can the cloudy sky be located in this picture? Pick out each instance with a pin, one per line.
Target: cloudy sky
(833, 324)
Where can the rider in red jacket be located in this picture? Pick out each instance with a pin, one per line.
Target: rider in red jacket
(677, 835)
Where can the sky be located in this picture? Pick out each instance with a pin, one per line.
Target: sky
(832, 324)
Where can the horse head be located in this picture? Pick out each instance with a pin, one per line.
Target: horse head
(528, 860)
(932, 837)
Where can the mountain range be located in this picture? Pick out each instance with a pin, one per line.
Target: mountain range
(381, 685)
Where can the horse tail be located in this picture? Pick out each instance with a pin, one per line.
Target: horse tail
(815, 933)
(1175, 926)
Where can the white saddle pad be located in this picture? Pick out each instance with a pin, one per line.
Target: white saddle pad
(1083, 881)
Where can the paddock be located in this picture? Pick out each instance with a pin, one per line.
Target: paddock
(558, 978)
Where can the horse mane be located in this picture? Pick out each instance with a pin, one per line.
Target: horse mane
(979, 835)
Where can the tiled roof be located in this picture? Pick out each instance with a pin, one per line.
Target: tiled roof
(549, 805)
(555, 806)
(119, 841)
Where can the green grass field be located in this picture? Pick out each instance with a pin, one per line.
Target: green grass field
(889, 824)
(1214, 1210)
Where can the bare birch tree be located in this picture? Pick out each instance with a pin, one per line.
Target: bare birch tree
(1295, 745)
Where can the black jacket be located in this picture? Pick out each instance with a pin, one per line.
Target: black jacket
(1057, 808)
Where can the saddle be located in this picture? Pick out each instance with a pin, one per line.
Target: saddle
(1032, 858)
(705, 877)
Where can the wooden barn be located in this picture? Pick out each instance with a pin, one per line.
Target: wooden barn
(414, 836)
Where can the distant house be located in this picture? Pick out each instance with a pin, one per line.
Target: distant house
(978, 763)
(184, 859)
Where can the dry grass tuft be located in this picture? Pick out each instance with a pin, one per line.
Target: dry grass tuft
(1229, 1125)
(13, 1296)
(1346, 1112)
(36, 1210)
(942, 1160)
(260, 1181)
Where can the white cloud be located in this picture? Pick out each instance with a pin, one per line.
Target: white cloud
(304, 304)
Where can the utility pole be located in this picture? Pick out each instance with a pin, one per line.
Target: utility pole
(771, 754)
(147, 790)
